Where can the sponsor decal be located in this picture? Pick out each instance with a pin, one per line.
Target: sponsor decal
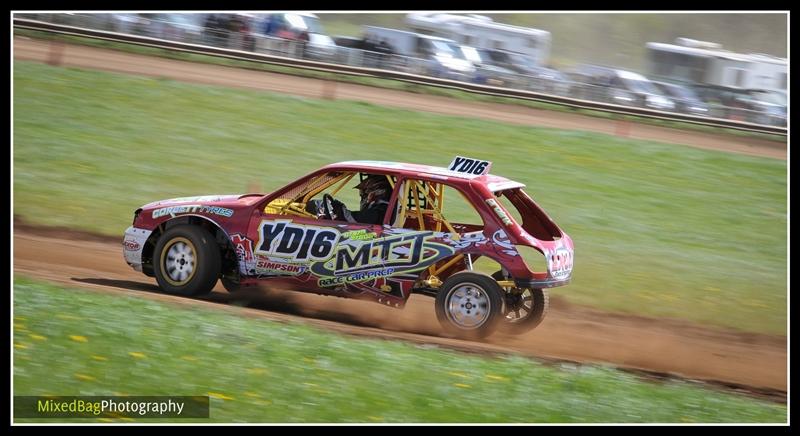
(192, 208)
(380, 257)
(357, 277)
(500, 237)
(470, 166)
(468, 240)
(264, 266)
(244, 252)
(131, 245)
(359, 235)
(340, 258)
(282, 238)
(499, 211)
(560, 263)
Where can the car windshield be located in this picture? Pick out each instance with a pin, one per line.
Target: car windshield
(441, 47)
(472, 54)
(523, 60)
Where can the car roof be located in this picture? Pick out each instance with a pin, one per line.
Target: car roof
(492, 182)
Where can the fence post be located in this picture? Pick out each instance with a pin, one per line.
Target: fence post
(329, 89)
(622, 127)
(56, 51)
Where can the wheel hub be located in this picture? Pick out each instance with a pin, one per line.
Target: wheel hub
(468, 306)
(180, 261)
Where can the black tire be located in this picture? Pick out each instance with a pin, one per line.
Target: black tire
(230, 285)
(467, 320)
(518, 316)
(187, 261)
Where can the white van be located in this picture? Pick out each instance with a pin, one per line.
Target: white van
(482, 32)
(439, 57)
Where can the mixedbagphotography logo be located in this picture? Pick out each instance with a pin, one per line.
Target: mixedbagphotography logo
(111, 407)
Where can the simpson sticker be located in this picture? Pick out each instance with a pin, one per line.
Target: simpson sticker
(264, 266)
(299, 242)
(192, 208)
(470, 166)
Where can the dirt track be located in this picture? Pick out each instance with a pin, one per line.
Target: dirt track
(110, 60)
(568, 333)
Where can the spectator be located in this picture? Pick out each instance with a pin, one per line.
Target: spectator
(269, 25)
(303, 40)
(384, 50)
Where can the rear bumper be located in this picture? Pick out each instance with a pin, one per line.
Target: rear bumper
(539, 284)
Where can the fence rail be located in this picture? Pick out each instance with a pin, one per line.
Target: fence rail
(229, 53)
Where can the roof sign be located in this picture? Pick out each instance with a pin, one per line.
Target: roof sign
(470, 166)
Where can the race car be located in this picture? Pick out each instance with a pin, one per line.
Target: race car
(301, 237)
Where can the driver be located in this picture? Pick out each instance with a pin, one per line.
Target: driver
(375, 191)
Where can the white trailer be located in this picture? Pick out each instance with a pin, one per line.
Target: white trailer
(482, 32)
(703, 63)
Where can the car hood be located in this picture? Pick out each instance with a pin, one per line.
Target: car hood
(228, 200)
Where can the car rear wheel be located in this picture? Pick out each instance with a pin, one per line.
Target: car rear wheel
(524, 308)
(187, 261)
(469, 305)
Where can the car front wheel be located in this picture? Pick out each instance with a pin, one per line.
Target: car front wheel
(187, 261)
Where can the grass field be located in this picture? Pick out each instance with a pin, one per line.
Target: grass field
(660, 230)
(73, 342)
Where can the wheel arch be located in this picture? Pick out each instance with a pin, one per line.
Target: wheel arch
(230, 262)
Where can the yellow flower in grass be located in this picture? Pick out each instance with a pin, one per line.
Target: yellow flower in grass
(37, 337)
(99, 358)
(20, 346)
(496, 377)
(220, 396)
(458, 374)
(78, 338)
(461, 385)
(84, 377)
(137, 355)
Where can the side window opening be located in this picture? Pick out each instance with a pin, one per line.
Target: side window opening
(338, 184)
(426, 205)
(528, 215)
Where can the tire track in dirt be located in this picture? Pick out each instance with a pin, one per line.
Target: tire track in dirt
(753, 362)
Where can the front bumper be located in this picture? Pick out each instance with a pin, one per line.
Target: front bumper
(133, 246)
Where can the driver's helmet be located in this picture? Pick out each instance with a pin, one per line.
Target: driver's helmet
(374, 188)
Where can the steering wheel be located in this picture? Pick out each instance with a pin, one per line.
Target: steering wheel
(327, 207)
